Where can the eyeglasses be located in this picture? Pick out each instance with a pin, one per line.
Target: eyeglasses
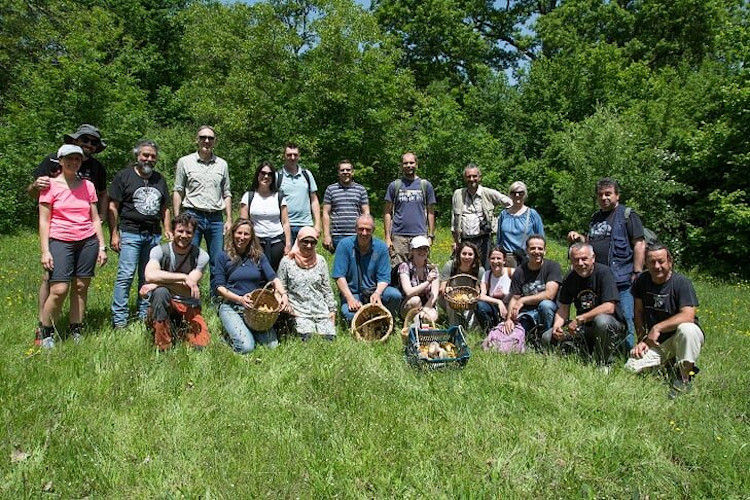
(265, 173)
(208, 138)
(308, 242)
(89, 140)
(516, 193)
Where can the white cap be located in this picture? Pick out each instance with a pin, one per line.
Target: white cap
(419, 242)
(69, 149)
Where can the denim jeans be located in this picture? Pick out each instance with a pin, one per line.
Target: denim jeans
(600, 339)
(391, 299)
(335, 240)
(488, 314)
(211, 228)
(134, 251)
(628, 309)
(241, 338)
(543, 314)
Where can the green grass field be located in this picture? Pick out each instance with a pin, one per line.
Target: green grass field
(112, 417)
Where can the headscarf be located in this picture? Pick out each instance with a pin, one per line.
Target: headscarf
(296, 254)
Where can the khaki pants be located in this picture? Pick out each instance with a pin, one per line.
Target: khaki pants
(400, 252)
(684, 345)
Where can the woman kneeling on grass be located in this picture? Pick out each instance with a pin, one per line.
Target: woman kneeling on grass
(70, 234)
(493, 300)
(241, 268)
(419, 280)
(466, 261)
(304, 273)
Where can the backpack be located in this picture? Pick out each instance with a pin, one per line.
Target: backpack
(498, 340)
(648, 235)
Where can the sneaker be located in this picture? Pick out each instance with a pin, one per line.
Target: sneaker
(680, 387)
(76, 332)
(47, 343)
(44, 337)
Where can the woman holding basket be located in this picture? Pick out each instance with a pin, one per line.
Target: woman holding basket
(241, 268)
(464, 270)
(305, 274)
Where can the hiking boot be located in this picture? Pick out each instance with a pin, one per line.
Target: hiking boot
(75, 330)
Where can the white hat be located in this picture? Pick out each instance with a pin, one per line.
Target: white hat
(419, 242)
(69, 149)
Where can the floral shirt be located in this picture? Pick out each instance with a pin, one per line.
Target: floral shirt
(310, 292)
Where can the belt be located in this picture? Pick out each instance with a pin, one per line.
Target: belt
(198, 210)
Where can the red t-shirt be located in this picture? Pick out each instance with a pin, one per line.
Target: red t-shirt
(70, 210)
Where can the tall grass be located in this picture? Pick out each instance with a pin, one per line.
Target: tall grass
(113, 417)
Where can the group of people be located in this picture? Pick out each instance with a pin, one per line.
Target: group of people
(625, 294)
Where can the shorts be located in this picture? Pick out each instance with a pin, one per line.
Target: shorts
(73, 259)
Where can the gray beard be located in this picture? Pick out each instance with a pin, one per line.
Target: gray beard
(145, 168)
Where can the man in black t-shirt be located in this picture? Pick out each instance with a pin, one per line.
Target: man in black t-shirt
(533, 288)
(665, 304)
(617, 237)
(137, 208)
(598, 328)
(89, 139)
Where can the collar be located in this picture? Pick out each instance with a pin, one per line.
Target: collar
(210, 160)
(289, 174)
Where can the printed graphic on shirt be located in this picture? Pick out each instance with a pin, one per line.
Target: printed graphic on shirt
(600, 231)
(587, 299)
(147, 200)
(660, 302)
(410, 195)
(532, 288)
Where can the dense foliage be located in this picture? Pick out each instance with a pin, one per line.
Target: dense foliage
(653, 92)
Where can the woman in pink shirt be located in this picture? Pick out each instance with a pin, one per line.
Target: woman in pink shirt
(70, 234)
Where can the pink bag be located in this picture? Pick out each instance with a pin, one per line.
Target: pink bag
(498, 340)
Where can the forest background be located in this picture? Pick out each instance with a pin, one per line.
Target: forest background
(555, 93)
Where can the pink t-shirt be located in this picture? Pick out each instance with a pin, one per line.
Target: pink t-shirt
(70, 210)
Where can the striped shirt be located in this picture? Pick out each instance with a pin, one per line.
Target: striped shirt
(346, 205)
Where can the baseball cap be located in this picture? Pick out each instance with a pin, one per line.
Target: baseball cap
(69, 149)
(419, 242)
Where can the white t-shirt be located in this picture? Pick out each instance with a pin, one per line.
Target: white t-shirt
(497, 285)
(265, 214)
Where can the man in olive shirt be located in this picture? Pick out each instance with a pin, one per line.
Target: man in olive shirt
(201, 189)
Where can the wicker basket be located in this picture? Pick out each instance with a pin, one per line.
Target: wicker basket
(471, 292)
(408, 320)
(372, 323)
(258, 320)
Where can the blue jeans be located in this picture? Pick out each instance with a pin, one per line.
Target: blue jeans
(543, 314)
(211, 228)
(628, 310)
(488, 314)
(391, 299)
(134, 250)
(335, 240)
(241, 338)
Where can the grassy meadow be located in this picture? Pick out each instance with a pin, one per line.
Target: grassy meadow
(111, 417)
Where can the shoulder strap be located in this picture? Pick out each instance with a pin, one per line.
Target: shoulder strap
(306, 173)
(396, 188)
(166, 257)
(423, 187)
(250, 196)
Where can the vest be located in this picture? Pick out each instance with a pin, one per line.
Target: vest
(620, 257)
(488, 208)
(191, 259)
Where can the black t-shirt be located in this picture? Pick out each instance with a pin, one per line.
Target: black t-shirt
(90, 170)
(664, 301)
(592, 291)
(141, 200)
(600, 232)
(527, 282)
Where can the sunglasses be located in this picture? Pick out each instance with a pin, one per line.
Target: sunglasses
(89, 140)
(208, 138)
(308, 242)
(517, 192)
(265, 173)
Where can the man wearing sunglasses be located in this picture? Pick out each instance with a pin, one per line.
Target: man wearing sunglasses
(89, 139)
(201, 189)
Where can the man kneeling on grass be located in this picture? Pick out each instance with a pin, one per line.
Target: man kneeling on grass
(172, 275)
(665, 304)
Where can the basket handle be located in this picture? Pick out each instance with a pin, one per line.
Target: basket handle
(376, 318)
(464, 275)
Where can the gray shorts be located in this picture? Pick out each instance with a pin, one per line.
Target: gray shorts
(73, 259)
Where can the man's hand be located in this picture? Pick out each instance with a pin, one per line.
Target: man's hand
(41, 183)
(47, 261)
(353, 304)
(332, 317)
(509, 325)
(375, 299)
(389, 244)
(573, 326)
(575, 236)
(146, 289)
(640, 349)
(227, 226)
(169, 235)
(287, 249)
(653, 335)
(558, 333)
(193, 285)
(328, 242)
(101, 259)
(502, 309)
(114, 241)
(515, 310)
